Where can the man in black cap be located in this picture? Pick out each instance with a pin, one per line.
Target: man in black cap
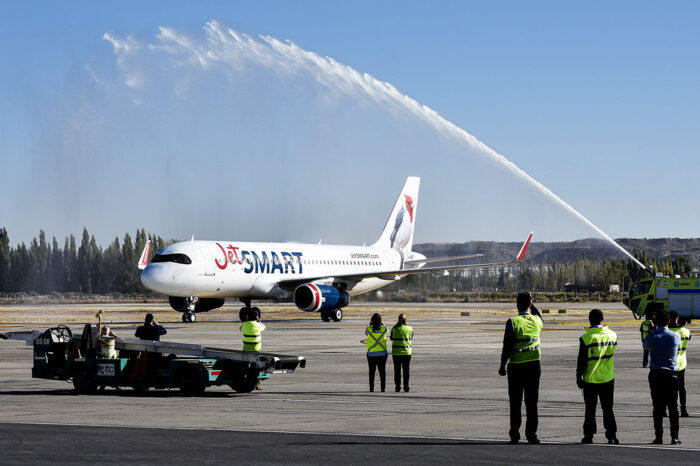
(150, 330)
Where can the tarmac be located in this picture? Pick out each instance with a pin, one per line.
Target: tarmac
(456, 411)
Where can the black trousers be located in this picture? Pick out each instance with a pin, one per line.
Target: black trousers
(523, 378)
(401, 362)
(681, 388)
(591, 393)
(645, 359)
(664, 394)
(374, 363)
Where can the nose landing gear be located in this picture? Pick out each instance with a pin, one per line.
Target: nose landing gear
(243, 313)
(189, 315)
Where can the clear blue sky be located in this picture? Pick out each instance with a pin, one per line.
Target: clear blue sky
(599, 101)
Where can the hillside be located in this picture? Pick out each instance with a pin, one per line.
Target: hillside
(591, 248)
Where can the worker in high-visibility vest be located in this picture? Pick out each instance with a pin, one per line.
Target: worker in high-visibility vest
(645, 328)
(401, 341)
(376, 350)
(678, 325)
(252, 330)
(521, 350)
(595, 374)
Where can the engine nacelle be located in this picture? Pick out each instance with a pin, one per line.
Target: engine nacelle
(316, 298)
(201, 304)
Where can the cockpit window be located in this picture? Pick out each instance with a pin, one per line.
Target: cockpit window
(177, 258)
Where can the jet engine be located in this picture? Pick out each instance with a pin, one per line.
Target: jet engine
(322, 298)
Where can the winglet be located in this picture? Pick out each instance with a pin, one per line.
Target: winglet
(523, 250)
(143, 262)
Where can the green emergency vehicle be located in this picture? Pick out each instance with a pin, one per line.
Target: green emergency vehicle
(676, 294)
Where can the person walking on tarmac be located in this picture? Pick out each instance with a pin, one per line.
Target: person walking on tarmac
(663, 345)
(150, 330)
(595, 375)
(521, 346)
(678, 325)
(401, 340)
(645, 328)
(376, 350)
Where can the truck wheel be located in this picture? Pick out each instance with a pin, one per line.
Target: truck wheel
(83, 381)
(190, 383)
(245, 381)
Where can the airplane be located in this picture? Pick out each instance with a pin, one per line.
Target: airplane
(197, 276)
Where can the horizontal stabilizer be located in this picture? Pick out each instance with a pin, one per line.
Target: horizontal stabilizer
(441, 259)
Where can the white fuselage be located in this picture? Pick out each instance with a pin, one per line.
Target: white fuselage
(221, 269)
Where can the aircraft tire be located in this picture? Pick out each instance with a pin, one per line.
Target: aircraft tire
(242, 313)
(257, 312)
(184, 317)
(337, 315)
(325, 316)
(193, 318)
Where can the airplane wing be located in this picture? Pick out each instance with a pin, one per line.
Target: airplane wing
(352, 279)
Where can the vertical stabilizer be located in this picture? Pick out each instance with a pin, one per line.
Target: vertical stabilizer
(398, 231)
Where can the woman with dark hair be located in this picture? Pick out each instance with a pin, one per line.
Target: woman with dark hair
(401, 340)
(376, 350)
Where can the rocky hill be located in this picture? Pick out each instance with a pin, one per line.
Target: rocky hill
(591, 248)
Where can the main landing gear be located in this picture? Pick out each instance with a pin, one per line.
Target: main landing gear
(336, 315)
(243, 313)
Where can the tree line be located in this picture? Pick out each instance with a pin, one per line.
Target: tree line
(45, 267)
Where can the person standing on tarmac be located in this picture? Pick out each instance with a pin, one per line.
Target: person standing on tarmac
(376, 350)
(645, 328)
(252, 330)
(150, 330)
(521, 346)
(679, 327)
(595, 375)
(401, 340)
(663, 345)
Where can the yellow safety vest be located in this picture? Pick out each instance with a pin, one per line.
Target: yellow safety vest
(376, 341)
(601, 343)
(527, 338)
(401, 339)
(645, 327)
(681, 359)
(252, 338)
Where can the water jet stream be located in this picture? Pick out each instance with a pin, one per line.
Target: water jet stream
(227, 46)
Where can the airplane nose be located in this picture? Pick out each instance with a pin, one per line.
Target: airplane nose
(151, 278)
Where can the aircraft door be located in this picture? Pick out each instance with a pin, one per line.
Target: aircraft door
(209, 269)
